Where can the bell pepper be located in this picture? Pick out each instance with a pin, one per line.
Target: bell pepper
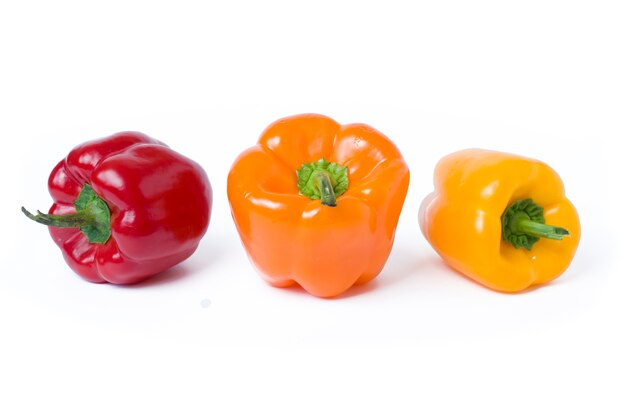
(502, 220)
(317, 203)
(126, 207)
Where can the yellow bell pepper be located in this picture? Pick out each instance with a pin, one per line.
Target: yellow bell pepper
(491, 218)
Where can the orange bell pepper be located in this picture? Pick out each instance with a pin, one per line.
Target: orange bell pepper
(487, 219)
(317, 203)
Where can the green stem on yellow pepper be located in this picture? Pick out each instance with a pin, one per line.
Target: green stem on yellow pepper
(523, 225)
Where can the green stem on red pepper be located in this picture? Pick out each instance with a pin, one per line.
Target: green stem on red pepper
(92, 216)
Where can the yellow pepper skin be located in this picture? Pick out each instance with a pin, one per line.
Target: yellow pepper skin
(463, 219)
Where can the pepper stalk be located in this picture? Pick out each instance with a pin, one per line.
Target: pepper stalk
(523, 225)
(92, 216)
(323, 180)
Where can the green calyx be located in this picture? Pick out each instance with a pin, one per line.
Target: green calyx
(92, 216)
(323, 180)
(523, 225)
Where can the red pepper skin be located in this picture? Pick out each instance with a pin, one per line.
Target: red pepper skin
(160, 204)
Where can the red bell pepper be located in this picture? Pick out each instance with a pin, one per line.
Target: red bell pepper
(126, 207)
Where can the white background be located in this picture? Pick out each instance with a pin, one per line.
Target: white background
(545, 79)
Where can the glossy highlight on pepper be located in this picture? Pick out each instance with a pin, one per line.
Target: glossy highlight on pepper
(126, 207)
(502, 220)
(317, 203)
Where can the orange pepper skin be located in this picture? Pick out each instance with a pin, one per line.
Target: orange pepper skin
(462, 218)
(290, 238)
